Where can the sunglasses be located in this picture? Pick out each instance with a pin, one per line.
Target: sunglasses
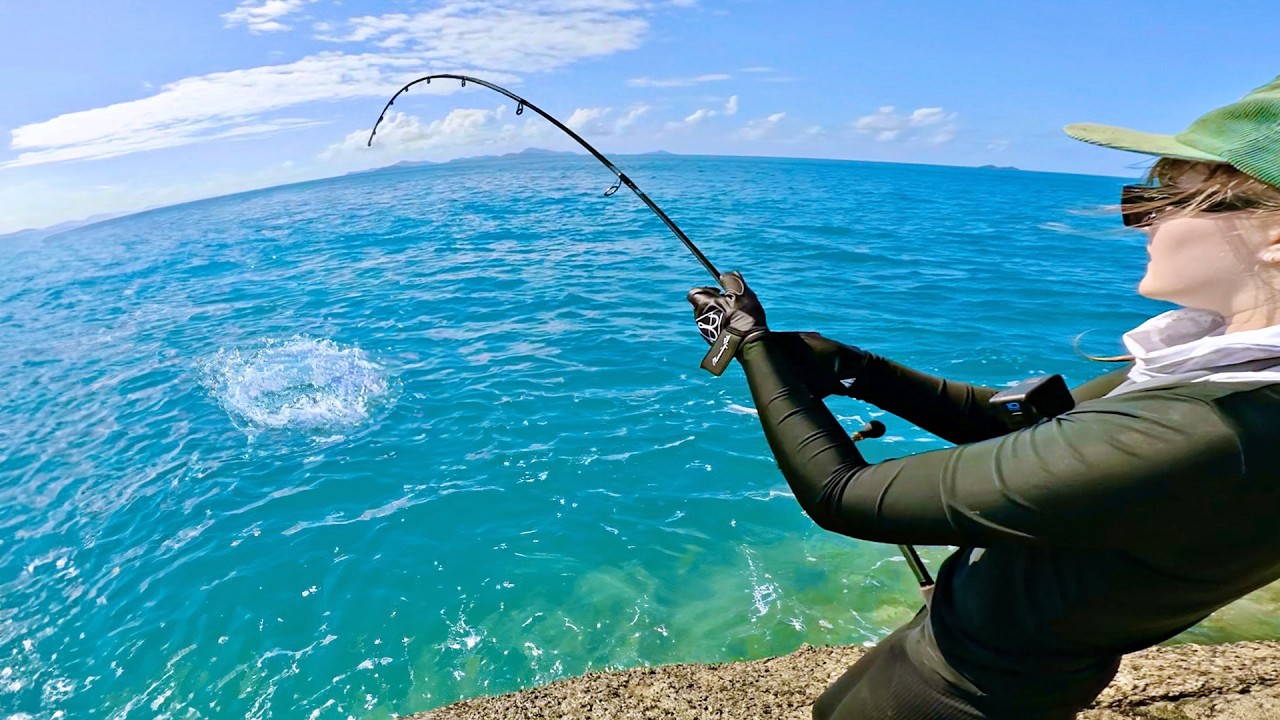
(1140, 205)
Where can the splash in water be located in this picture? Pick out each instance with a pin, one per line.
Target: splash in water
(314, 386)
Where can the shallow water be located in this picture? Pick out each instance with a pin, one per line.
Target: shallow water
(369, 445)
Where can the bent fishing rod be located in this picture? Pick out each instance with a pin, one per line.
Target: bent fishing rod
(872, 429)
(521, 104)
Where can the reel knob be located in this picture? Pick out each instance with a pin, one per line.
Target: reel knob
(873, 429)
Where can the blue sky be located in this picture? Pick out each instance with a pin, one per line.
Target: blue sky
(114, 106)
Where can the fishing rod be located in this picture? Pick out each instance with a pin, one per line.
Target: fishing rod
(521, 104)
(871, 430)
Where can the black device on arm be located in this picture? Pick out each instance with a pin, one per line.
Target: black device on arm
(1031, 401)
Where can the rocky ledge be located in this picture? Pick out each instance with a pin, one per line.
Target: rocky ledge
(1235, 681)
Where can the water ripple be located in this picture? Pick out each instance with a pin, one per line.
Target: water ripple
(316, 386)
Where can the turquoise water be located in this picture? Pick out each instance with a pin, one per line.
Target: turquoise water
(365, 446)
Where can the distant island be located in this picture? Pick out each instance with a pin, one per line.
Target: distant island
(33, 234)
(997, 167)
(527, 153)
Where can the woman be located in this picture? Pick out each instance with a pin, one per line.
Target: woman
(1104, 530)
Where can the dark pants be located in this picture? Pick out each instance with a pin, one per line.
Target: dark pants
(905, 678)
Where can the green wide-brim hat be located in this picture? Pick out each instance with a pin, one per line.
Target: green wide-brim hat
(1244, 134)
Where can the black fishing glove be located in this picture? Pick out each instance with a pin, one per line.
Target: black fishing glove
(727, 320)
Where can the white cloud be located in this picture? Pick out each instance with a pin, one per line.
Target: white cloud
(596, 121)
(924, 124)
(928, 116)
(677, 82)
(702, 114)
(401, 134)
(497, 35)
(757, 129)
(263, 16)
(208, 107)
(528, 35)
(630, 118)
(589, 121)
(698, 116)
(463, 126)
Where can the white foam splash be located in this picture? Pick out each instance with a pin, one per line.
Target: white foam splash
(300, 383)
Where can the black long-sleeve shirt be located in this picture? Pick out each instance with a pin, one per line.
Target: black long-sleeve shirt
(1107, 529)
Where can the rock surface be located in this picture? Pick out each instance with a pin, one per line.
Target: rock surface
(1235, 681)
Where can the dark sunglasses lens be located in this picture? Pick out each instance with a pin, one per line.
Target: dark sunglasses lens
(1135, 205)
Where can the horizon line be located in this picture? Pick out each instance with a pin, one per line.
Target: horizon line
(89, 220)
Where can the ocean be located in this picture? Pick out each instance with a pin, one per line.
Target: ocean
(364, 446)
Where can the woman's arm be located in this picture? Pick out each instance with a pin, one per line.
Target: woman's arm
(1088, 478)
(954, 411)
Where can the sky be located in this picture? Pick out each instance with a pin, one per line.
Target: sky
(113, 106)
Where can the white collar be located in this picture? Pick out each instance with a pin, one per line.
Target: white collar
(1192, 345)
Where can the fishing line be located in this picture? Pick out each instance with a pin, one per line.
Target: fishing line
(622, 178)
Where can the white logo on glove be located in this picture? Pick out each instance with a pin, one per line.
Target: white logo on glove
(724, 346)
(709, 325)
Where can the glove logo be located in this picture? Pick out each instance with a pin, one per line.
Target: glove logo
(709, 325)
(724, 346)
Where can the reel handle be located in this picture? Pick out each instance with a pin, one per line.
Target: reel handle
(873, 429)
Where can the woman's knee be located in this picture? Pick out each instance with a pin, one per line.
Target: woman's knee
(824, 708)
(828, 703)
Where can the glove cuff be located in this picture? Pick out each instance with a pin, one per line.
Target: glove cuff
(755, 334)
(729, 345)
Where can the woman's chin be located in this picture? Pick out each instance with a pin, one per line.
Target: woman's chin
(1146, 288)
(1149, 288)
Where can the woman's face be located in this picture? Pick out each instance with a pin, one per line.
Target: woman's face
(1193, 261)
(1209, 261)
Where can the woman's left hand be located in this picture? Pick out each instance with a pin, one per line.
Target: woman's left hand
(736, 309)
(726, 319)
